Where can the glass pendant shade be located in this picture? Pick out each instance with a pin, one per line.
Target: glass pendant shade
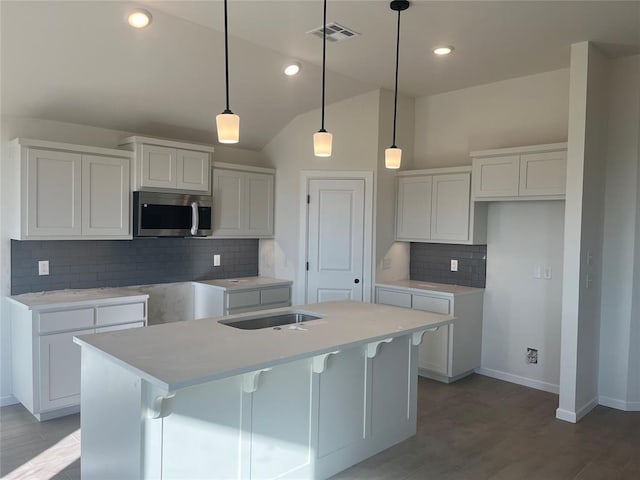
(392, 157)
(322, 144)
(228, 125)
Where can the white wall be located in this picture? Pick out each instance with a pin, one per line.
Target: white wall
(521, 311)
(583, 232)
(354, 125)
(12, 127)
(619, 354)
(521, 111)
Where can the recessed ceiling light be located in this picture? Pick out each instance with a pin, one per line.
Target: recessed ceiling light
(139, 18)
(292, 69)
(443, 50)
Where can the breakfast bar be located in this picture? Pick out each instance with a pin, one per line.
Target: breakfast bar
(248, 396)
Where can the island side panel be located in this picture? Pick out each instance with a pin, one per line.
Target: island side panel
(110, 419)
(202, 432)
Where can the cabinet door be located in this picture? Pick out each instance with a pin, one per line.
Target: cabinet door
(54, 191)
(450, 208)
(413, 209)
(158, 167)
(192, 170)
(496, 177)
(59, 370)
(543, 173)
(259, 204)
(433, 353)
(105, 196)
(227, 202)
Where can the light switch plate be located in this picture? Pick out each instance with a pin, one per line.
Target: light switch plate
(43, 267)
(216, 260)
(454, 265)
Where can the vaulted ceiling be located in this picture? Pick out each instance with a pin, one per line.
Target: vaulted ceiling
(80, 62)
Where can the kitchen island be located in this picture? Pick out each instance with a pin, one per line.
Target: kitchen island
(203, 399)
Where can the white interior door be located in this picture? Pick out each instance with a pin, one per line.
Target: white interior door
(335, 240)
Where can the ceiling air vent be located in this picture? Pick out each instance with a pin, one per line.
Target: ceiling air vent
(335, 32)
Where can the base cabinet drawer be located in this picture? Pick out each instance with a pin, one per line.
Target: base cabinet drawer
(243, 299)
(116, 314)
(431, 304)
(393, 298)
(49, 322)
(275, 295)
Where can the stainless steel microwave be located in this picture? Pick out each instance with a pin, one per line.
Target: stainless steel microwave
(171, 215)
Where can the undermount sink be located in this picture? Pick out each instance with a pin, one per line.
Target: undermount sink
(272, 320)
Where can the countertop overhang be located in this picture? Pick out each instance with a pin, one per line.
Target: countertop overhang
(182, 354)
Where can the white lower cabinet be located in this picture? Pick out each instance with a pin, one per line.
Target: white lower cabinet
(46, 361)
(214, 300)
(451, 352)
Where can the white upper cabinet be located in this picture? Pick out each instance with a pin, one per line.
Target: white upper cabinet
(166, 165)
(413, 219)
(68, 191)
(434, 206)
(533, 172)
(53, 187)
(105, 196)
(450, 208)
(243, 201)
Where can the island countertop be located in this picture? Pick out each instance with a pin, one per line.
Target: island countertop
(178, 355)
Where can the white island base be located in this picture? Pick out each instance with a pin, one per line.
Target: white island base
(307, 418)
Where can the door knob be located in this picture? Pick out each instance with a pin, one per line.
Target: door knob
(357, 280)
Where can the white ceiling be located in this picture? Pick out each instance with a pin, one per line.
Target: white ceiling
(79, 61)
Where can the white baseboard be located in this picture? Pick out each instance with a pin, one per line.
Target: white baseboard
(590, 405)
(527, 382)
(619, 404)
(574, 417)
(566, 415)
(7, 400)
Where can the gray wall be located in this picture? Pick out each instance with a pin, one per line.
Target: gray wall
(116, 263)
(431, 262)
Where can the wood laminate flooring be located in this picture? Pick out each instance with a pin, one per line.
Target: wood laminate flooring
(477, 428)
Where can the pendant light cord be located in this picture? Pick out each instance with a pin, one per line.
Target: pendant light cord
(226, 56)
(324, 58)
(395, 98)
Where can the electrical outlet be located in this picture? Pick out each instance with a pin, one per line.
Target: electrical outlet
(216, 260)
(43, 267)
(532, 355)
(454, 265)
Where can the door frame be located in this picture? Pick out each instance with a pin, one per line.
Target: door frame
(368, 260)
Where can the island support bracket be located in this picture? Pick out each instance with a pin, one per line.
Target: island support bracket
(373, 347)
(162, 405)
(250, 380)
(416, 338)
(319, 363)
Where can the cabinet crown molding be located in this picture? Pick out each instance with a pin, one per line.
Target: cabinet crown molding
(166, 143)
(548, 147)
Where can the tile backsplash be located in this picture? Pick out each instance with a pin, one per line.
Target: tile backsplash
(118, 263)
(431, 262)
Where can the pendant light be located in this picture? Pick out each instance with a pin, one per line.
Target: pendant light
(322, 139)
(228, 123)
(393, 154)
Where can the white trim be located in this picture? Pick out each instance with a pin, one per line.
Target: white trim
(433, 171)
(71, 147)
(527, 382)
(8, 400)
(565, 415)
(243, 168)
(590, 405)
(299, 292)
(549, 147)
(619, 404)
(136, 140)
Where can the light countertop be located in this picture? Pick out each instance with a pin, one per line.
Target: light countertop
(245, 283)
(75, 297)
(182, 354)
(420, 286)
